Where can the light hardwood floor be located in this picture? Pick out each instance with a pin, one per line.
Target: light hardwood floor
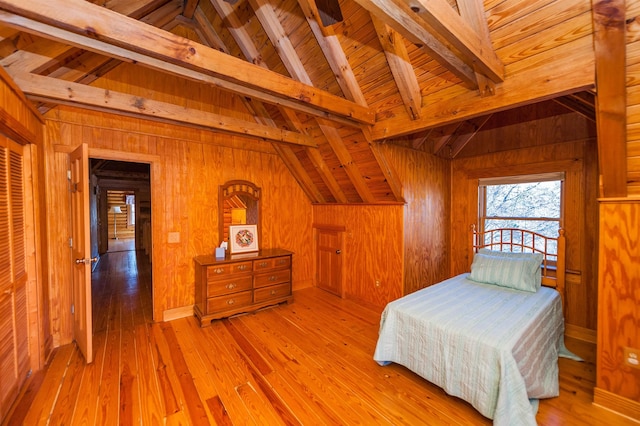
(309, 362)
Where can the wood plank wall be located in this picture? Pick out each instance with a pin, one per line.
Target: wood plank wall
(617, 384)
(190, 166)
(619, 299)
(633, 98)
(578, 159)
(426, 181)
(373, 249)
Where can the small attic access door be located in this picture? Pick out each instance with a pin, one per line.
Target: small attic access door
(329, 248)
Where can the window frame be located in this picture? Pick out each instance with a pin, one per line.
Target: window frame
(513, 180)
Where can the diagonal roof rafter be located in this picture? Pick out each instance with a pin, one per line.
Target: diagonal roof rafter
(95, 28)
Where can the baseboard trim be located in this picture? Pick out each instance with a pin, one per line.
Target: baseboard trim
(176, 313)
(619, 404)
(580, 333)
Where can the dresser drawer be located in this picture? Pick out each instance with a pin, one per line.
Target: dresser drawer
(220, 272)
(272, 263)
(273, 292)
(232, 284)
(271, 278)
(229, 301)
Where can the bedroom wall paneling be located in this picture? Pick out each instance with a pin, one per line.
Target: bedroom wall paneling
(577, 160)
(633, 98)
(191, 164)
(373, 249)
(426, 189)
(617, 382)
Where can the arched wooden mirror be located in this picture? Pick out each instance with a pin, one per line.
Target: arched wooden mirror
(239, 204)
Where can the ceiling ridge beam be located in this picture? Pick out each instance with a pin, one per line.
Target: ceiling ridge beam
(131, 40)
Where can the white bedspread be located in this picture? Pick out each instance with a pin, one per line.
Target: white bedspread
(493, 347)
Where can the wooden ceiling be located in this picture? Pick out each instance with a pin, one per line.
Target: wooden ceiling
(325, 95)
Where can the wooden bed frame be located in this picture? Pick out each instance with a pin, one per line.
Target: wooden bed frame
(520, 240)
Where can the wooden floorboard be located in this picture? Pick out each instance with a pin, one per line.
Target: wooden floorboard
(305, 363)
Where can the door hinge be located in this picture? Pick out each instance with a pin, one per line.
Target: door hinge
(68, 174)
(71, 242)
(73, 309)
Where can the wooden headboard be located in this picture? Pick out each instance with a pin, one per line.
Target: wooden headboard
(523, 241)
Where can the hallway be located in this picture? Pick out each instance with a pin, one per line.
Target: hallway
(123, 244)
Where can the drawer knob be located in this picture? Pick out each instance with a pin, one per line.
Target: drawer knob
(273, 277)
(219, 270)
(242, 267)
(263, 264)
(231, 302)
(274, 292)
(231, 286)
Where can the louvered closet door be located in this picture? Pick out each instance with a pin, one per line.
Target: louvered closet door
(14, 352)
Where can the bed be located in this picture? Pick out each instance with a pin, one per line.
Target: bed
(491, 336)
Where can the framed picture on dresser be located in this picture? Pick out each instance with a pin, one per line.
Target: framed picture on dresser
(243, 238)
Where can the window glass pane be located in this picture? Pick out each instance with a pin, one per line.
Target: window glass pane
(536, 200)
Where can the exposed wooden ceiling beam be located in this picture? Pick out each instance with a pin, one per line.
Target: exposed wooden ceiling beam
(207, 32)
(333, 52)
(609, 28)
(95, 28)
(52, 58)
(189, 8)
(472, 11)
(272, 26)
(280, 40)
(441, 138)
(445, 22)
(286, 154)
(49, 89)
(417, 26)
(579, 102)
(401, 68)
(260, 113)
(540, 81)
(465, 133)
(346, 161)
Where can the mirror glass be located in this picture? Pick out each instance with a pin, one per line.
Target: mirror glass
(239, 204)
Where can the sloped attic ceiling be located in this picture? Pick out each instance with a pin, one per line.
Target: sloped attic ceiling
(325, 95)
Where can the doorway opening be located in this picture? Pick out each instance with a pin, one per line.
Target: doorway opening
(120, 211)
(120, 207)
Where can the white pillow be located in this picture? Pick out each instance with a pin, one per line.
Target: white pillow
(517, 255)
(519, 271)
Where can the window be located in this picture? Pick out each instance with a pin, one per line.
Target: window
(531, 202)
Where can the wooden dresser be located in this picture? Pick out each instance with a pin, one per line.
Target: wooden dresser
(241, 283)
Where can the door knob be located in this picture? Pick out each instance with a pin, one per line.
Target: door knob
(87, 260)
(338, 251)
